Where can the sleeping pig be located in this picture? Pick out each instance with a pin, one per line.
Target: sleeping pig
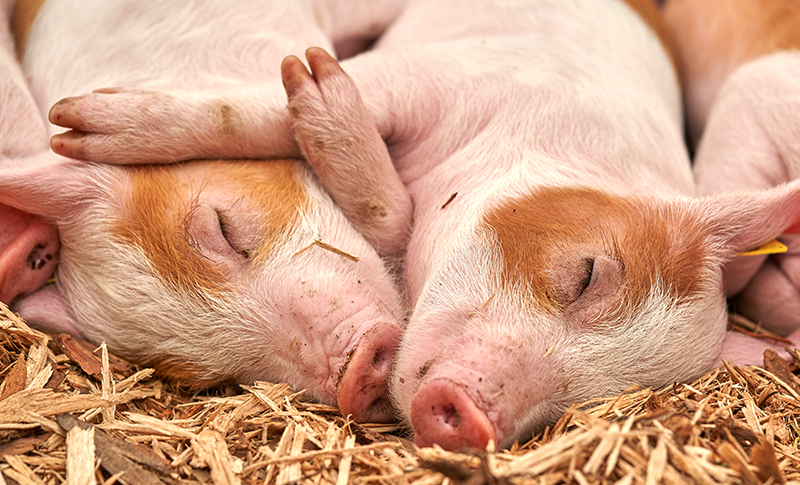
(212, 270)
(742, 82)
(557, 251)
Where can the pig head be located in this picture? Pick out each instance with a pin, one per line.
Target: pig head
(742, 84)
(215, 270)
(531, 294)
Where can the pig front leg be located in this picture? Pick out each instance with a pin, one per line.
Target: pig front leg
(134, 126)
(340, 141)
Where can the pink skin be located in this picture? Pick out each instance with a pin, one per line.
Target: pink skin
(742, 96)
(362, 389)
(444, 414)
(479, 361)
(28, 253)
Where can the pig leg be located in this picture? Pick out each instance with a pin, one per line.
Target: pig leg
(340, 141)
(28, 244)
(110, 125)
(743, 349)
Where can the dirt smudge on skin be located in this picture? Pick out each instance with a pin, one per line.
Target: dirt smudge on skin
(225, 118)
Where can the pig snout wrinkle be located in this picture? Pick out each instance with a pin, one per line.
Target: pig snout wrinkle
(443, 413)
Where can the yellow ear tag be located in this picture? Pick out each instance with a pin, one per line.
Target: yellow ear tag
(772, 247)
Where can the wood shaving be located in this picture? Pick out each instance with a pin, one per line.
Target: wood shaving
(72, 415)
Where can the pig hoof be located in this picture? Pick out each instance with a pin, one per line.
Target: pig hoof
(363, 390)
(442, 413)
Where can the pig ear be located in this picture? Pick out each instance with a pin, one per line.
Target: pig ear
(745, 221)
(47, 185)
(45, 308)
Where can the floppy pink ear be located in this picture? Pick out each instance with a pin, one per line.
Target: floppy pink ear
(743, 221)
(47, 185)
(45, 308)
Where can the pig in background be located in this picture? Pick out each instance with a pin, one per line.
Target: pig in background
(28, 245)
(210, 270)
(741, 73)
(557, 252)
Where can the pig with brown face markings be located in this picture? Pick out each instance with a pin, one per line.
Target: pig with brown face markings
(575, 261)
(207, 271)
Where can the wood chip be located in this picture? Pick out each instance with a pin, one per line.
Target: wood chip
(80, 456)
(731, 425)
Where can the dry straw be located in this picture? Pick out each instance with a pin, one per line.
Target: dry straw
(71, 413)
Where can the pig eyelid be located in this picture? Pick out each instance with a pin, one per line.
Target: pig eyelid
(225, 227)
(588, 276)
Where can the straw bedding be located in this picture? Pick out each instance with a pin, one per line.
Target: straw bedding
(70, 412)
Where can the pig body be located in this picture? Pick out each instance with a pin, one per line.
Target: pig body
(28, 244)
(742, 81)
(556, 252)
(213, 270)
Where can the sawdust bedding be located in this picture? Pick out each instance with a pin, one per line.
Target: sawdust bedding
(70, 412)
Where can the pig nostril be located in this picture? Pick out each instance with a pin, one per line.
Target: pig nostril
(362, 384)
(382, 361)
(449, 415)
(443, 413)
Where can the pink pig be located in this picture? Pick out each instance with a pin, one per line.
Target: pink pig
(557, 251)
(212, 270)
(28, 245)
(742, 82)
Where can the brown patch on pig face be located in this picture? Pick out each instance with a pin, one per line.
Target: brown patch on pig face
(157, 212)
(22, 18)
(275, 189)
(160, 205)
(225, 117)
(550, 239)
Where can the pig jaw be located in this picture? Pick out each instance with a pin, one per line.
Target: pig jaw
(329, 331)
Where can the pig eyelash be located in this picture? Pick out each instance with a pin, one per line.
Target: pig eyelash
(225, 228)
(588, 264)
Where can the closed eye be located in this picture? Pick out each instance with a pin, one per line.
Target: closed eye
(226, 228)
(586, 278)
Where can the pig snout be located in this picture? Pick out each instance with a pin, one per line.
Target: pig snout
(443, 413)
(28, 253)
(362, 387)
